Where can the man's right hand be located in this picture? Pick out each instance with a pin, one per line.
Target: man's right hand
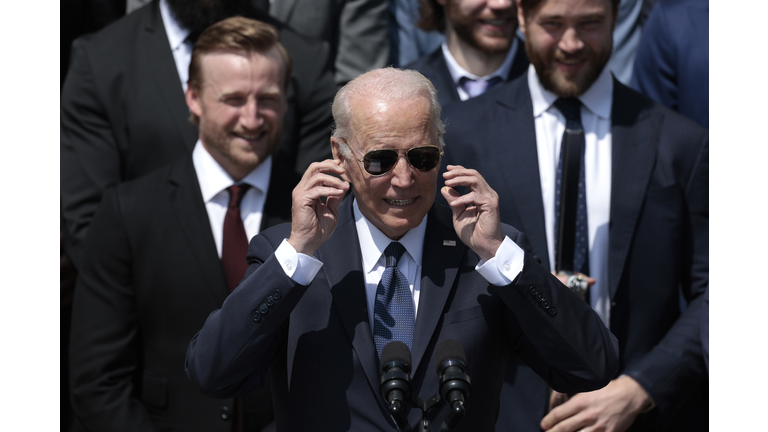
(313, 222)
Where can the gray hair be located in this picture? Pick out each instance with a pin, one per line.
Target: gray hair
(388, 84)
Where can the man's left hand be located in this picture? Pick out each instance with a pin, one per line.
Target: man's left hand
(475, 215)
(613, 408)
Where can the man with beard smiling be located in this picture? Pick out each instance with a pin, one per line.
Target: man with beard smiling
(166, 249)
(480, 48)
(639, 215)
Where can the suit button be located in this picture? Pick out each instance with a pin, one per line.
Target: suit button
(256, 316)
(263, 308)
(277, 294)
(225, 413)
(613, 304)
(545, 304)
(270, 301)
(532, 290)
(552, 311)
(539, 297)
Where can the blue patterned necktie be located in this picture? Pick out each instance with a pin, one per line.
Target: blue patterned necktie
(393, 315)
(572, 212)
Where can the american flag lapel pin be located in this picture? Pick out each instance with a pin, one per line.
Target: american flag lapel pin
(449, 242)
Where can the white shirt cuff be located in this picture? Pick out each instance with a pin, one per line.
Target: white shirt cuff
(299, 267)
(504, 267)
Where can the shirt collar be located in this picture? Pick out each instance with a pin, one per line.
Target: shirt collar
(373, 241)
(598, 98)
(176, 34)
(457, 71)
(214, 179)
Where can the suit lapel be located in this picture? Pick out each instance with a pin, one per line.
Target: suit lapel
(343, 267)
(519, 156)
(634, 138)
(440, 264)
(277, 208)
(188, 207)
(153, 41)
(520, 63)
(441, 78)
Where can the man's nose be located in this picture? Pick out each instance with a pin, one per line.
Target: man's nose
(500, 4)
(402, 172)
(251, 117)
(570, 42)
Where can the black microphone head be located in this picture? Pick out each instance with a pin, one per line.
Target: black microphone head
(449, 349)
(395, 351)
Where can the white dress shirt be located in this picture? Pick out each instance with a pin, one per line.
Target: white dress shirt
(214, 182)
(500, 270)
(596, 121)
(180, 47)
(457, 71)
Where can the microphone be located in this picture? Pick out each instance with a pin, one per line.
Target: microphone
(395, 384)
(454, 381)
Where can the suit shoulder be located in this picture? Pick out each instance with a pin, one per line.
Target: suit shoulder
(118, 33)
(145, 192)
(633, 104)
(427, 64)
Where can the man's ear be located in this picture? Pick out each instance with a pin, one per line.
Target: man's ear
(193, 100)
(339, 156)
(520, 18)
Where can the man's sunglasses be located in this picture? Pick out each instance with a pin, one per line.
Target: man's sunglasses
(380, 162)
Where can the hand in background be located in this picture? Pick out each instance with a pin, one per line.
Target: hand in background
(613, 408)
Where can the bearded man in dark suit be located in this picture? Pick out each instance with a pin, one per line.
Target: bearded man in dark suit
(480, 49)
(639, 227)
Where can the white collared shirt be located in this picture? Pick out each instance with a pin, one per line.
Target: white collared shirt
(596, 107)
(214, 181)
(180, 47)
(457, 71)
(372, 245)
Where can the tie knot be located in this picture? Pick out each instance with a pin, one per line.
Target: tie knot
(393, 253)
(236, 194)
(477, 87)
(571, 109)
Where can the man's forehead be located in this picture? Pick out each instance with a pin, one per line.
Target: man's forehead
(374, 118)
(221, 66)
(564, 8)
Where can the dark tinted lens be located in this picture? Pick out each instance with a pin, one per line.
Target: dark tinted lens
(379, 161)
(424, 158)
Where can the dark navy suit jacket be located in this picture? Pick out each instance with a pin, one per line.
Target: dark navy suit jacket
(658, 236)
(151, 278)
(672, 61)
(318, 339)
(433, 66)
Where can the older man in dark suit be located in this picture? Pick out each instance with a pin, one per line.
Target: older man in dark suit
(166, 249)
(324, 295)
(123, 113)
(612, 189)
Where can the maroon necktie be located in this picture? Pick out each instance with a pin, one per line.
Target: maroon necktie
(234, 245)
